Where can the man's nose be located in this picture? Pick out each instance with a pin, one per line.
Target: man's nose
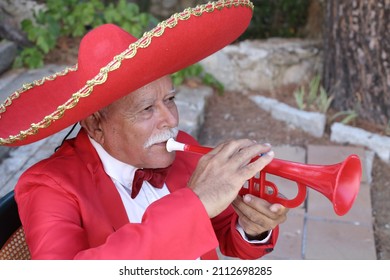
(169, 116)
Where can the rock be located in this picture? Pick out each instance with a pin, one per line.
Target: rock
(345, 134)
(310, 122)
(12, 13)
(191, 104)
(254, 65)
(8, 51)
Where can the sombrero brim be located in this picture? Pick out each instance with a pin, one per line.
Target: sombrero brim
(47, 106)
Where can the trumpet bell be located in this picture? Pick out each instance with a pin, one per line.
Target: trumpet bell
(347, 185)
(339, 182)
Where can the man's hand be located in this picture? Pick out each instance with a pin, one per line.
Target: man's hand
(221, 173)
(257, 216)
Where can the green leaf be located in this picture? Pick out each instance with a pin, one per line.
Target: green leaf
(26, 25)
(31, 57)
(43, 44)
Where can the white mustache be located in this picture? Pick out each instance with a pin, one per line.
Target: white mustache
(161, 137)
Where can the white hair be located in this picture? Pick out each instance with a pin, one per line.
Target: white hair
(161, 137)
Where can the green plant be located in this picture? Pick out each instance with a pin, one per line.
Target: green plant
(316, 99)
(31, 57)
(346, 116)
(299, 95)
(197, 71)
(129, 17)
(73, 18)
(324, 100)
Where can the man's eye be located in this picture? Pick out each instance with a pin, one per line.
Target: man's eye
(148, 108)
(171, 99)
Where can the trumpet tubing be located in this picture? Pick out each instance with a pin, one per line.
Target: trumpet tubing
(339, 182)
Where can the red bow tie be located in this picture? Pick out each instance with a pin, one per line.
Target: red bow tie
(156, 177)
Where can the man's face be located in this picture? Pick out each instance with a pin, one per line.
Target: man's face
(130, 124)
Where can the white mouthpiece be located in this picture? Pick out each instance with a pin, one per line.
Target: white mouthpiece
(172, 145)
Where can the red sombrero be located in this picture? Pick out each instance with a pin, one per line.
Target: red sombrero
(113, 63)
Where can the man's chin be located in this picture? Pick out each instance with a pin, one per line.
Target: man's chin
(160, 156)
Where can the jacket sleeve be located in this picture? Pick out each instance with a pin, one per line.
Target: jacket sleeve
(55, 227)
(232, 244)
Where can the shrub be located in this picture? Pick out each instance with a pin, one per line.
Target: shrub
(73, 18)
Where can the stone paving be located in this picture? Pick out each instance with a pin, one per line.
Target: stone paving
(313, 230)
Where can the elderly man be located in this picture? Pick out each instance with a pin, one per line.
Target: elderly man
(114, 191)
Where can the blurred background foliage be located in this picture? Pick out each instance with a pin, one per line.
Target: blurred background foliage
(277, 18)
(73, 19)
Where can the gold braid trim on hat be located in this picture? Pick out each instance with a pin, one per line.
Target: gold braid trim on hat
(100, 78)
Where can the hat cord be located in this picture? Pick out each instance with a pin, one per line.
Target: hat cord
(66, 136)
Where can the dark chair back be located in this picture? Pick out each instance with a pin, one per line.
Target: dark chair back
(12, 240)
(9, 217)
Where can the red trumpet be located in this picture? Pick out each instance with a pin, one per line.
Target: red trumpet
(339, 182)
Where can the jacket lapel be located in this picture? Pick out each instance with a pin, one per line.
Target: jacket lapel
(104, 187)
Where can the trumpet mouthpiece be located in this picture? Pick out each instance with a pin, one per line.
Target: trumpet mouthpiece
(173, 145)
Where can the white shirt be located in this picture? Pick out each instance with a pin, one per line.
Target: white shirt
(122, 175)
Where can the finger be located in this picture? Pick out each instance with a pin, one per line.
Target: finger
(252, 220)
(234, 147)
(237, 154)
(217, 149)
(258, 211)
(278, 209)
(248, 226)
(273, 211)
(252, 150)
(223, 153)
(255, 209)
(254, 166)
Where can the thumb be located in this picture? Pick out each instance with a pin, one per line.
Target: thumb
(276, 208)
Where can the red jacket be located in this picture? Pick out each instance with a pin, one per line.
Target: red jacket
(70, 209)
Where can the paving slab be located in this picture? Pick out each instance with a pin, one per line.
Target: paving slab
(329, 236)
(290, 242)
(329, 240)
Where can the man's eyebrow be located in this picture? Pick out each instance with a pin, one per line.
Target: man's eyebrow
(142, 103)
(146, 102)
(173, 90)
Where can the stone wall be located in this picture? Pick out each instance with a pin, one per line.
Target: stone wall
(255, 65)
(12, 12)
(265, 64)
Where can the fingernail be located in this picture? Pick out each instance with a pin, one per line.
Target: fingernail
(271, 153)
(274, 208)
(247, 198)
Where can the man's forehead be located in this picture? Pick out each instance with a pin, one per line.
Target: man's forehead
(163, 85)
(145, 93)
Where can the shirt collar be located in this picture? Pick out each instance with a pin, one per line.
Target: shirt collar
(116, 169)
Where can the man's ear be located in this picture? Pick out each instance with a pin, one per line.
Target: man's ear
(93, 125)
